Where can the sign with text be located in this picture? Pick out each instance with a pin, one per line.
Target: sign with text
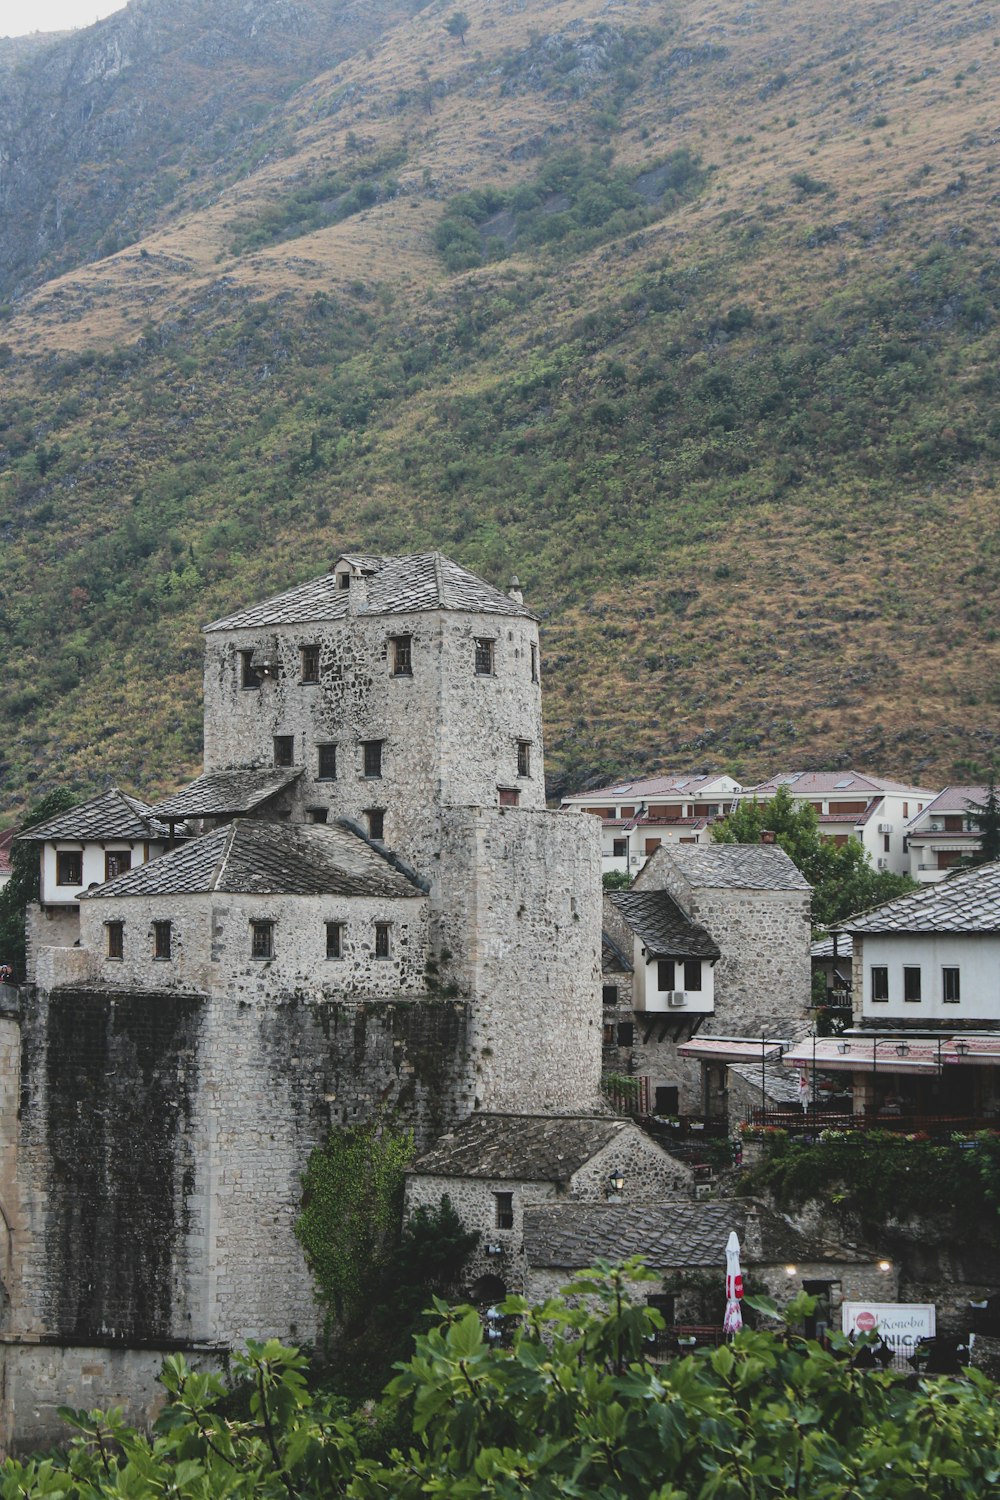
(901, 1324)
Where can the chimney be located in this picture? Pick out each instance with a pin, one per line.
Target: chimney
(768, 836)
(753, 1241)
(514, 590)
(357, 594)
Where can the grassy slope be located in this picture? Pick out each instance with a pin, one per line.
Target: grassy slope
(759, 538)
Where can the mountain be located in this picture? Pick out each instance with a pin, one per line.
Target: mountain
(686, 313)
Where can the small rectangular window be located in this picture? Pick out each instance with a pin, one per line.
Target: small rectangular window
(534, 663)
(619, 848)
(69, 867)
(343, 580)
(116, 939)
(951, 990)
(652, 845)
(326, 762)
(382, 939)
(373, 758)
(692, 974)
(626, 1033)
(665, 974)
(484, 657)
(249, 676)
(161, 939)
(334, 939)
(116, 862)
(284, 749)
(310, 664)
(609, 1034)
(524, 757)
(887, 843)
(261, 939)
(609, 994)
(504, 1210)
(911, 983)
(509, 796)
(402, 660)
(318, 814)
(880, 983)
(375, 817)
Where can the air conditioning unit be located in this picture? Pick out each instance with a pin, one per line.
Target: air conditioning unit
(883, 864)
(936, 828)
(675, 998)
(885, 828)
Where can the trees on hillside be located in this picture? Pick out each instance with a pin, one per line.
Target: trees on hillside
(457, 24)
(841, 876)
(574, 1407)
(986, 817)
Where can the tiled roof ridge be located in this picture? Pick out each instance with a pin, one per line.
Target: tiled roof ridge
(215, 879)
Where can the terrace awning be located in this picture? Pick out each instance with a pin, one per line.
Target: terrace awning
(893, 1053)
(723, 1049)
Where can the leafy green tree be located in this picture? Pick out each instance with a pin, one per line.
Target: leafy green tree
(986, 817)
(22, 887)
(574, 1407)
(457, 24)
(841, 876)
(616, 880)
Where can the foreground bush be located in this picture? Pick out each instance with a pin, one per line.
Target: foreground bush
(573, 1408)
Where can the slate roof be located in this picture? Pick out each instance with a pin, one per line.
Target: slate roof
(823, 947)
(662, 927)
(112, 815)
(523, 1148)
(613, 960)
(968, 901)
(253, 857)
(668, 1233)
(755, 867)
(781, 1086)
(219, 793)
(400, 585)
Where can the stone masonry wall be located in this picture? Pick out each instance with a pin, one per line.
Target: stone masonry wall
(210, 944)
(515, 902)
(447, 735)
(763, 979)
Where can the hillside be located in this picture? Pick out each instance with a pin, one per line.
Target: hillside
(705, 351)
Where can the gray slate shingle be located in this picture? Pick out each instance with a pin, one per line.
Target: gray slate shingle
(524, 1148)
(112, 815)
(750, 867)
(667, 1234)
(662, 927)
(268, 859)
(968, 901)
(400, 585)
(225, 793)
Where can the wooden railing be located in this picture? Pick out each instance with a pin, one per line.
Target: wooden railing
(809, 1121)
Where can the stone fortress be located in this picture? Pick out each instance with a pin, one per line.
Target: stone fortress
(362, 904)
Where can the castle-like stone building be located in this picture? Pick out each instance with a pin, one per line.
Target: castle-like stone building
(361, 905)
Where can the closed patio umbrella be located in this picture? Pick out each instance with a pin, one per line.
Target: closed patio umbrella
(733, 1321)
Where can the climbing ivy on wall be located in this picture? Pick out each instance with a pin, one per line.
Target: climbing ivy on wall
(351, 1211)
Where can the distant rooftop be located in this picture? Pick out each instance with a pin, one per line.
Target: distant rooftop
(954, 799)
(392, 585)
(702, 784)
(815, 783)
(966, 901)
(112, 815)
(253, 857)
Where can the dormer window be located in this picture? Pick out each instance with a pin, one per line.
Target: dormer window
(343, 580)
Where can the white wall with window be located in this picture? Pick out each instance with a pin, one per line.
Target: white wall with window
(673, 986)
(949, 977)
(70, 866)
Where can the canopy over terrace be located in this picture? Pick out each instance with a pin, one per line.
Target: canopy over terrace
(732, 1049)
(893, 1052)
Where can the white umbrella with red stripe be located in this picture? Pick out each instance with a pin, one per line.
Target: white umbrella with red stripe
(733, 1321)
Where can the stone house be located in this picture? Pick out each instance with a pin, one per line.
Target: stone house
(684, 1243)
(494, 1168)
(717, 943)
(367, 909)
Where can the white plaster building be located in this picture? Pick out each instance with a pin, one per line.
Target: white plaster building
(943, 834)
(926, 1032)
